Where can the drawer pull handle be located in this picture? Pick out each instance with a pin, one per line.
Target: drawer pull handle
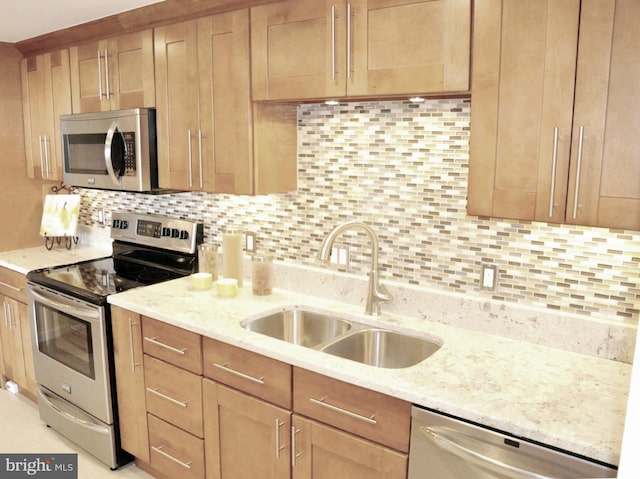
(322, 402)
(168, 398)
(158, 449)
(10, 286)
(294, 454)
(224, 367)
(166, 346)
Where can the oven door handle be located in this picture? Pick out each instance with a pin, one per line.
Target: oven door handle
(87, 314)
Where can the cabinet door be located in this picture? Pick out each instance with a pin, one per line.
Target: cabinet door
(130, 70)
(244, 436)
(225, 103)
(127, 346)
(604, 183)
(523, 82)
(179, 134)
(88, 85)
(46, 92)
(298, 50)
(323, 452)
(10, 331)
(408, 46)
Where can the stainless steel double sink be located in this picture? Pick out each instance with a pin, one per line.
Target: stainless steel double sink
(345, 338)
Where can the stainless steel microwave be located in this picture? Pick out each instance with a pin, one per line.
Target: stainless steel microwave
(112, 150)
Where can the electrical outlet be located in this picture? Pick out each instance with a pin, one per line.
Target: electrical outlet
(250, 242)
(339, 256)
(489, 277)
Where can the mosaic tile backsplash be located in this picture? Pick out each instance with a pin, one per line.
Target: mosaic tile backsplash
(402, 168)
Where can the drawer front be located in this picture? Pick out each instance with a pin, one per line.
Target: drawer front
(13, 284)
(249, 372)
(174, 452)
(369, 414)
(174, 395)
(172, 344)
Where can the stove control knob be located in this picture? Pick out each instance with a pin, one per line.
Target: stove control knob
(184, 235)
(166, 231)
(115, 224)
(175, 233)
(124, 224)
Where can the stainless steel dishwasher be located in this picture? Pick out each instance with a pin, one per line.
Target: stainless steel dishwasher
(446, 448)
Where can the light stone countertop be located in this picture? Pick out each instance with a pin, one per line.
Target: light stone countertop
(572, 401)
(27, 259)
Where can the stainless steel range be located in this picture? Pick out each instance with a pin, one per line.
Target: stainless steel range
(71, 325)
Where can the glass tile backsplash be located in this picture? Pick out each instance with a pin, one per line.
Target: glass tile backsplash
(402, 167)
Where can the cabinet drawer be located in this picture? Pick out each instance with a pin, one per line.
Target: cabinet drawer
(174, 452)
(172, 344)
(369, 414)
(252, 373)
(13, 284)
(173, 394)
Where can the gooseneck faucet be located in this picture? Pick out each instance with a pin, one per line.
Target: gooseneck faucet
(377, 292)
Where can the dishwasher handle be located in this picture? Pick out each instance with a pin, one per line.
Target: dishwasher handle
(488, 463)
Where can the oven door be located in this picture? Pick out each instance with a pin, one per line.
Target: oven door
(70, 350)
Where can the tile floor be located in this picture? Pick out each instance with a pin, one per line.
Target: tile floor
(21, 431)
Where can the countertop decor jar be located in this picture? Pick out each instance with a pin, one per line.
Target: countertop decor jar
(261, 274)
(208, 259)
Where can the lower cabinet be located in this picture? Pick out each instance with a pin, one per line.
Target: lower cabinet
(250, 416)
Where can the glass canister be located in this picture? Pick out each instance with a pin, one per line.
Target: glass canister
(208, 259)
(261, 275)
(232, 255)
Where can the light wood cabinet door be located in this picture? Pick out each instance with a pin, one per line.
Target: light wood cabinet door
(604, 181)
(46, 94)
(11, 336)
(244, 436)
(554, 108)
(127, 346)
(408, 46)
(174, 452)
(323, 452)
(113, 74)
(321, 49)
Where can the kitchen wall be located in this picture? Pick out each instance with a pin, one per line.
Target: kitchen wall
(402, 167)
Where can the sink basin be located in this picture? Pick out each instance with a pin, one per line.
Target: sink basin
(298, 326)
(382, 348)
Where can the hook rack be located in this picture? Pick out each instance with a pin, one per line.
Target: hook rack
(68, 240)
(62, 186)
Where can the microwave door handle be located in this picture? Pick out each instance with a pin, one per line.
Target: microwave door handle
(107, 152)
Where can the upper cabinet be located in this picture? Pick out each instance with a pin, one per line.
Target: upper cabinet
(555, 112)
(210, 135)
(308, 49)
(113, 74)
(46, 94)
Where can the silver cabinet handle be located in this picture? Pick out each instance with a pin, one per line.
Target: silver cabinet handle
(278, 446)
(190, 169)
(10, 286)
(554, 162)
(159, 450)
(133, 358)
(485, 462)
(7, 323)
(224, 367)
(349, 14)
(168, 398)
(333, 42)
(100, 75)
(106, 71)
(322, 402)
(578, 168)
(165, 346)
(200, 155)
(294, 454)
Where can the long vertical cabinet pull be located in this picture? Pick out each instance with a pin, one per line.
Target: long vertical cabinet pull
(42, 166)
(190, 156)
(554, 162)
(333, 42)
(278, 446)
(578, 168)
(100, 75)
(349, 46)
(106, 72)
(200, 156)
(294, 453)
(133, 357)
(46, 157)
